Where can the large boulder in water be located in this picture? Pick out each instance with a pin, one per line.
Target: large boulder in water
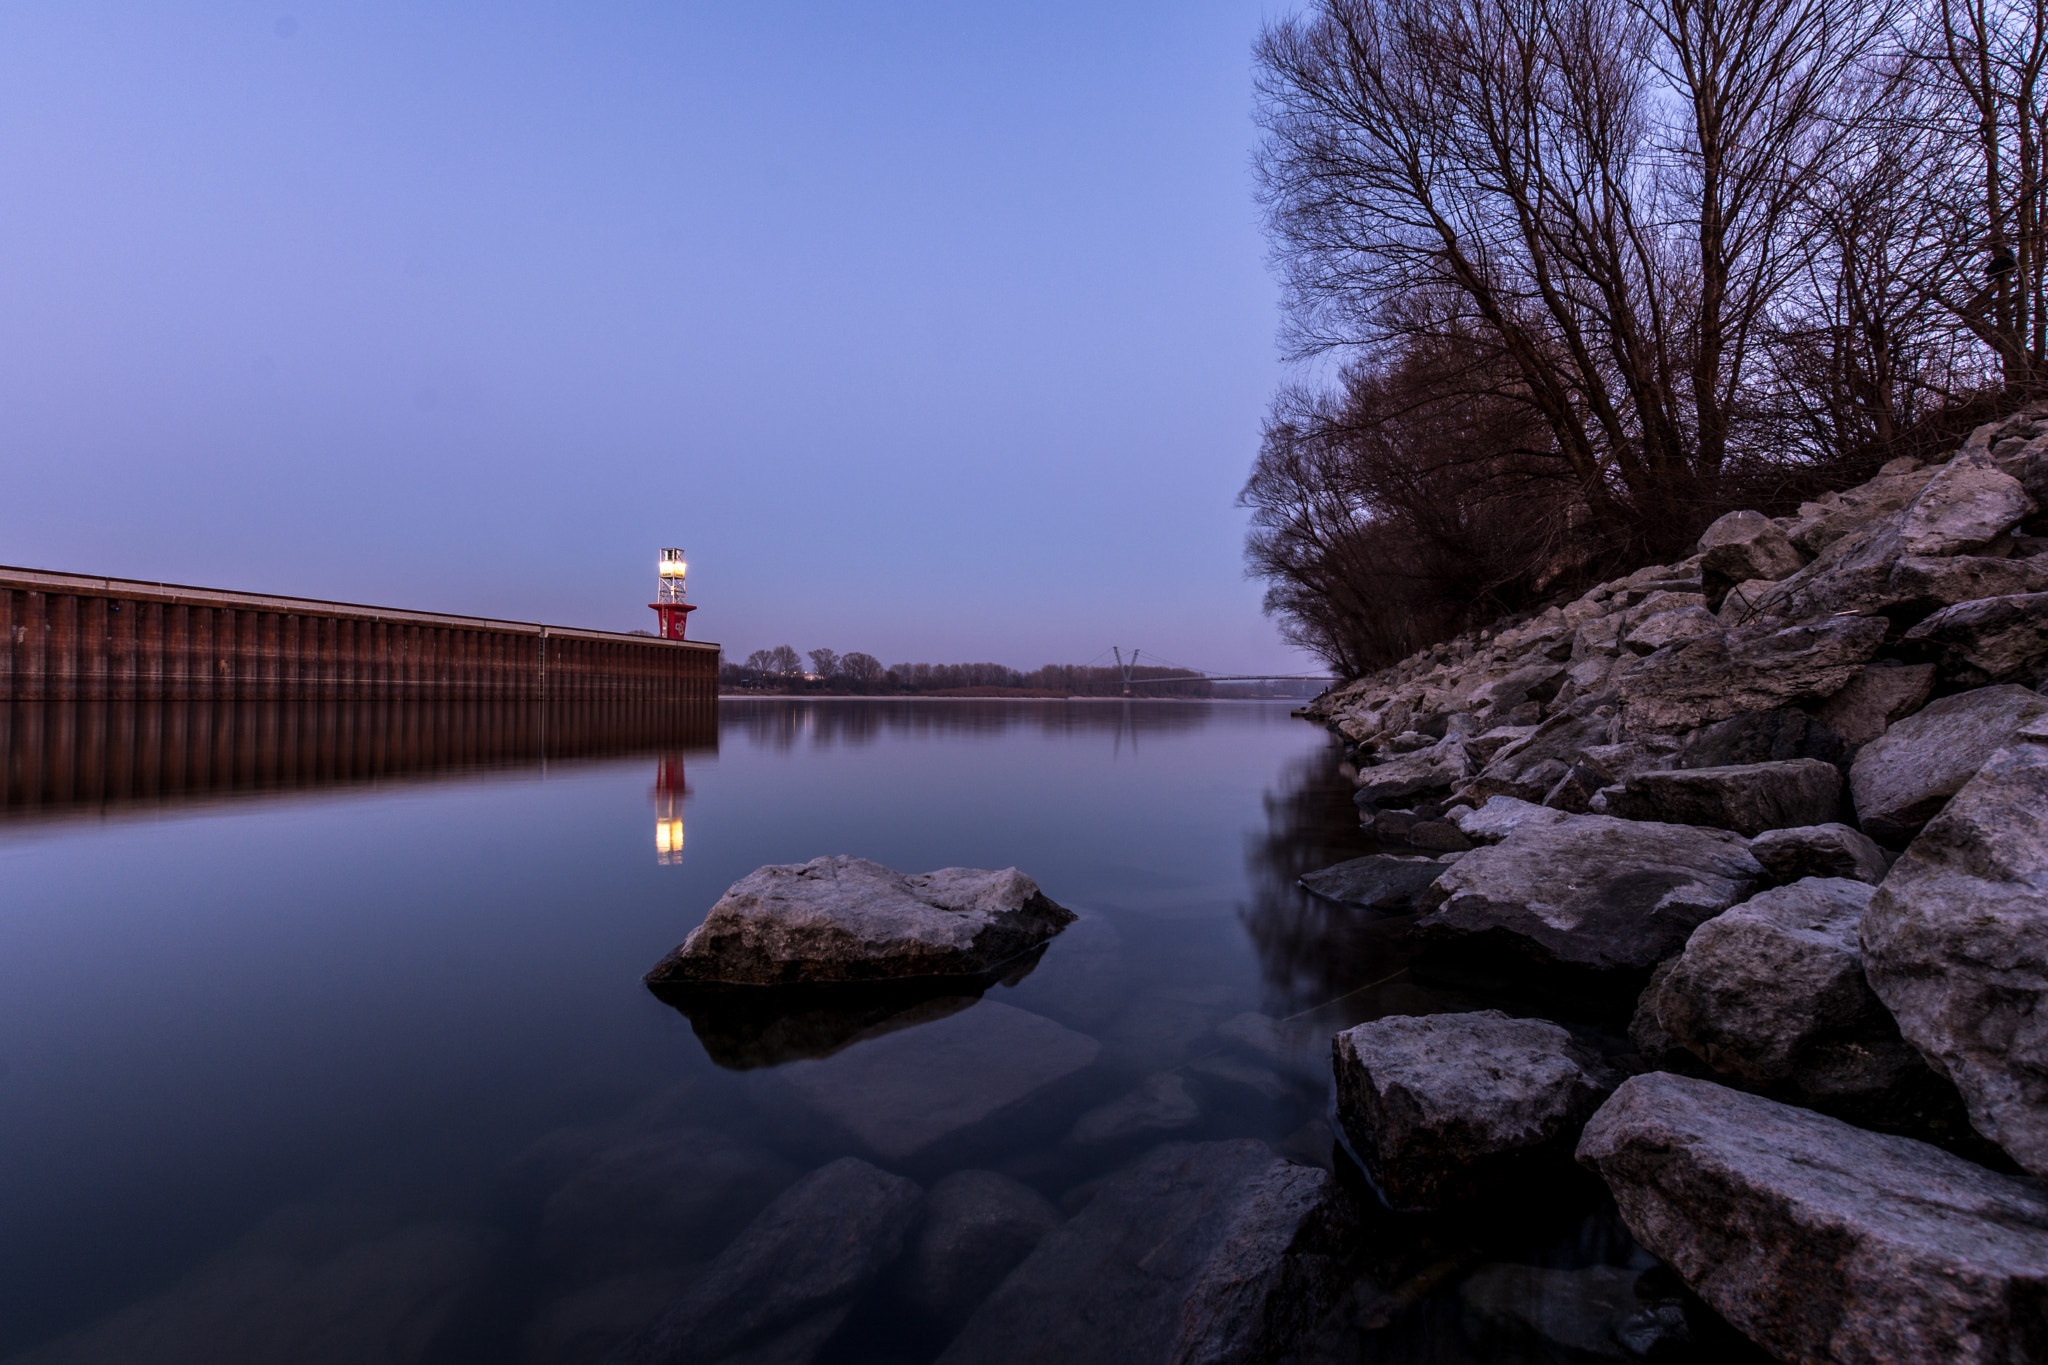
(1823, 1242)
(1590, 892)
(1956, 945)
(1440, 1108)
(1218, 1252)
(845, 919)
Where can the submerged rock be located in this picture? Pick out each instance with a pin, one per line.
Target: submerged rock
(669, 1196)
(840, 918)
(1590, 892)
(974, 1229)
(1901, 780)
(1820, 1241)
(1161, 1104)
(1377, 882)
(1218, 1252)
(1956, 945)
(1598, 1312)
(1748, 798)
(787, 1282)
(905, 1092)
(1440, 1108)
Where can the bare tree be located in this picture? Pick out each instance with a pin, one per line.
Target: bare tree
(1599, 196)
(782, 659)
(824, 662)
(1970, 84)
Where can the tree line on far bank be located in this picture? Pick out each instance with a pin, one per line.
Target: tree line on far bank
(1590, 273)
(781, 670)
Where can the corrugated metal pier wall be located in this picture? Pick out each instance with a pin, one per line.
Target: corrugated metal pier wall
(65, 637)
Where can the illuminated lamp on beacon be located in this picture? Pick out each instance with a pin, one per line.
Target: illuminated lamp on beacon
(669, 607)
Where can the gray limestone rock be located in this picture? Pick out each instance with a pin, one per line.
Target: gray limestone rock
(1771, 995)
(1590, 891)
(1537, 681)
(973, 1230)
(1820, 524)
(1217, 1253)
(1903, 778)
(1379, 881)
(1430, 772)
(1746, 602)
(1996, 639)
(844, 919)
(1956, 945)
(1746, 545)
(1820, 1241)
(1760, 737)
(1442, 1108)
(1669, 627)
(1500, 816)
(1827, 850)
(1876, 697)
(1529, 768)
(1966, 506)
(1748, 798)
(788, 1281)
(1483, 747)
(1754, 668)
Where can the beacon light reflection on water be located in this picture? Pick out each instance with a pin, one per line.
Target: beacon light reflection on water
(670, 789)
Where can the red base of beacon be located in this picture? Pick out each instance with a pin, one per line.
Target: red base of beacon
(673, 617)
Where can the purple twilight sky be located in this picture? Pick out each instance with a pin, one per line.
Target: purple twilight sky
(936, 330)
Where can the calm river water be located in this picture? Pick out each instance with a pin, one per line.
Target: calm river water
(322, 1036)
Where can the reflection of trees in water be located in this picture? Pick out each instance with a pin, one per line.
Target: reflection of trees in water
(1311, 950)
(781, 722)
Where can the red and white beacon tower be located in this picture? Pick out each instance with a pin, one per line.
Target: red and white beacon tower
(669, 606)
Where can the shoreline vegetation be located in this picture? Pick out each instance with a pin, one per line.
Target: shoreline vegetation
(780, 672)
(1580, 278)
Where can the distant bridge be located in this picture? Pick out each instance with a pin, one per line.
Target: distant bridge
(1198, 675)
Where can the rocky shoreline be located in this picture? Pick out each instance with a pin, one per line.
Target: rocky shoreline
(1786, 802)
(1754, 850)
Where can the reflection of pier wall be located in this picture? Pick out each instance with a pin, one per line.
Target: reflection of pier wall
(64, 637)
(77, 757)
